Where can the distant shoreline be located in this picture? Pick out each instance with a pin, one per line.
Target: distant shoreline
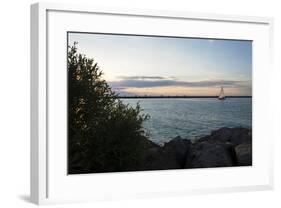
(148, 97)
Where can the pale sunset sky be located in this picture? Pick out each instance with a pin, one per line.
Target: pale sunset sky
(141, 65)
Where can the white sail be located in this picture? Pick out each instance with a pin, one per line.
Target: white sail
(221, 95)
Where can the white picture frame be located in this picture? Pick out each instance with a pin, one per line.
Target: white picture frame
(49, 180)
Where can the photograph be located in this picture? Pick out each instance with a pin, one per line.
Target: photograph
(150, 103)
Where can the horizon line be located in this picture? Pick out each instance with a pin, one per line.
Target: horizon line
(183, 96)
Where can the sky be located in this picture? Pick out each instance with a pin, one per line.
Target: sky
(146, 65)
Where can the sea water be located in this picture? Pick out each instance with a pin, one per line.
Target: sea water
(191, 118)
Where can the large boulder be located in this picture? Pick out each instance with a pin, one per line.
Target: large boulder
(171, 156)
(178, 149)
(241, 135)
(235, 136)
(244, 154)
(156, 159)
(209, 154)
(222, 134)
(222, 148)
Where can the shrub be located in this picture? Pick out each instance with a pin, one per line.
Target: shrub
(104, 134)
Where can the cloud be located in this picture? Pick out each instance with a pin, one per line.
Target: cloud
(158, 81)
(141, 77)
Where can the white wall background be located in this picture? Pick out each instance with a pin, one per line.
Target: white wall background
(14, 102)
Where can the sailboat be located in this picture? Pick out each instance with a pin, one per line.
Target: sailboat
(221, 95)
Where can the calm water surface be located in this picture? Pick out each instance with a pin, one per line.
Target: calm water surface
(192, 117)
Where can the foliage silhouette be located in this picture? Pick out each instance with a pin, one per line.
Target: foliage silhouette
(104, 135)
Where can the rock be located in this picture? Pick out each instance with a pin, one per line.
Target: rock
(171, 156)
(244, 154)
(241, 135)
(222, 135)
(178, 148)
(209, 154)
(156, 159)
(235, 136)
(222, 148)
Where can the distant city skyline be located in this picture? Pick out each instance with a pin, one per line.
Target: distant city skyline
(153, 66)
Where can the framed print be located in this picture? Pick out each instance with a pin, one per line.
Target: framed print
(134, 103)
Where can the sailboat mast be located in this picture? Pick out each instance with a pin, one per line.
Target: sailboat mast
(221, 95)
(222, 92)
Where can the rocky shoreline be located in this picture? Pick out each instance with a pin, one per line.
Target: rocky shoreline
(224, 147)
